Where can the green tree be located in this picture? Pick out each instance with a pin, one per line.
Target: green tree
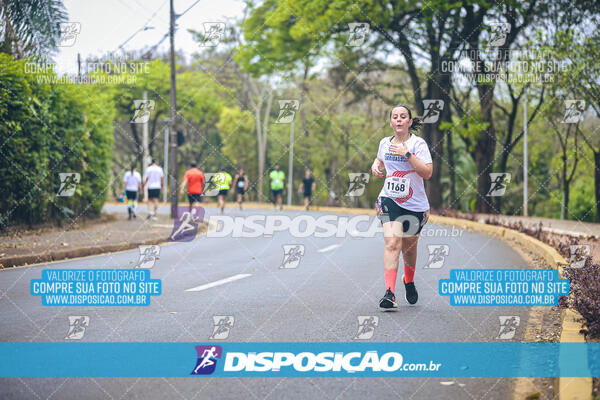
(236, 128)
(49, 129)
(426, 36)
(30, 27)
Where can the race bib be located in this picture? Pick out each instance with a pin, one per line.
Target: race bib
(241, 184)
(396, 186)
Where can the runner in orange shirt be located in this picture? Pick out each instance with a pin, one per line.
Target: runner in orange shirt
(194, 178)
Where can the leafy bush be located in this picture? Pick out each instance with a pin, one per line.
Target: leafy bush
(45, 129)
(585, 286)
(583, 200)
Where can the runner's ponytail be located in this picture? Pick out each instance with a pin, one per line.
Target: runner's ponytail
(416, 124)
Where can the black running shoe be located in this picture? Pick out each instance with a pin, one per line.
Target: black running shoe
(130, 212)
(410, 294)
(388, 301)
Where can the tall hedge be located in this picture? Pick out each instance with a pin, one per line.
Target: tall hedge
(47, 128)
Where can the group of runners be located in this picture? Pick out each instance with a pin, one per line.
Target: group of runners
(403, 159)
(133, 186)
(221, 182)
(197, 186)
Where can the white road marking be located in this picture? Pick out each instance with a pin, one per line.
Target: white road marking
(329, 248)
(218, 283)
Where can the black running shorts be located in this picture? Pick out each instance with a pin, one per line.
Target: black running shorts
(153, 193)
(195, 198)
(388, 210)
(131, 194)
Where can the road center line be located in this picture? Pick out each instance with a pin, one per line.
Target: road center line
(218, 283)
(329, 248)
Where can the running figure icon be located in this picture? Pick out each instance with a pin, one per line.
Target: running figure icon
(186, 226)
(206, 361)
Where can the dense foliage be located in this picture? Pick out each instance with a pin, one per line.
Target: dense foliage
(46, 129)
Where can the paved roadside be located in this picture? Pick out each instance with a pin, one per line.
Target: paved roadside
(567, 236)
(557, 226)
(111, 233)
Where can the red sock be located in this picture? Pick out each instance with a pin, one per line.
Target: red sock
(390, 279)
(409, 274)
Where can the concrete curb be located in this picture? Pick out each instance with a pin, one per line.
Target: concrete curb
(23, 260)
(80, 252)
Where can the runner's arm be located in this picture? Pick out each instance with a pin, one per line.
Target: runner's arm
(423, 170)
(378, 168)
(183, 183)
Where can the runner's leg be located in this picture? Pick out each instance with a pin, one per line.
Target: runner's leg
(409, 254)
(392, 232)
(135, 204)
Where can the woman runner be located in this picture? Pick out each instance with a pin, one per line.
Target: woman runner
(402, 205)
(132, 181)
(240, 182)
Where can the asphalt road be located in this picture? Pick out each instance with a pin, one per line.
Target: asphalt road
(337, 280)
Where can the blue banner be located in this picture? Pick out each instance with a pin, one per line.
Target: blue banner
(504, 287)
(299, 359)
(95, 287)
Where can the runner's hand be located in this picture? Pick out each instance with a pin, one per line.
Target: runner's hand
(399, 149)
(376, 171)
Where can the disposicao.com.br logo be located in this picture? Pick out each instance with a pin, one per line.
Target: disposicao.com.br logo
(324, 226)
(307, 362)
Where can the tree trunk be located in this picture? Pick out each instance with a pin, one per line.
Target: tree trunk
(597, 183)
(452, 170)
(139, 159)
(261, 155)
(485, 147)
(438, 87)
(303, 90)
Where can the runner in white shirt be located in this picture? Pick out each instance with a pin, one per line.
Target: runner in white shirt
(132, 181)
(402, 206)
(155, 179)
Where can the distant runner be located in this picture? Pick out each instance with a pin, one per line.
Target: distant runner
(132, 185)
(240, 182)
(402, 206)
(194, 179)
(307, 187)
(154, 179)
(277, 183)
(222, 181)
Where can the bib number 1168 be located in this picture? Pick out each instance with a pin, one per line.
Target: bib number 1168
(397, 187)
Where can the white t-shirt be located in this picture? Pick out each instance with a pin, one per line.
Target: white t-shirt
(396, 165)
(132, 181)
(153, 173)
